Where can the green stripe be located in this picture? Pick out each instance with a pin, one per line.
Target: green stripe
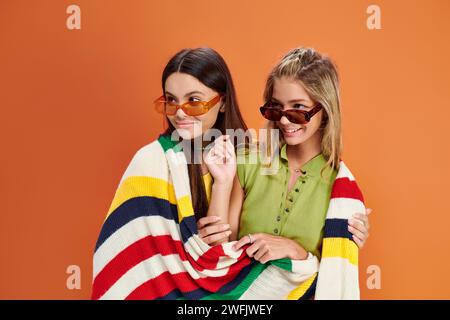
(239, 290)
(167, 143)
(285, 264)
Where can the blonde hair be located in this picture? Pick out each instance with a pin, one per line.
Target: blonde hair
(318, 75)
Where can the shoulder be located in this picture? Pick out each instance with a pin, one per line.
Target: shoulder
(149, 160)
(345, 185)
(152, 150)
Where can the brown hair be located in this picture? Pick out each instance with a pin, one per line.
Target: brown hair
(207, 66)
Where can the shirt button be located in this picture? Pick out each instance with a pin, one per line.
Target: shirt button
(296, 190)
(278, 218)
(303, 181)
(287, 209)
(275, 230)
(291, 200)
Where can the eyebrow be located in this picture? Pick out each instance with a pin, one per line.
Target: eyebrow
(187, 94)
(292, 101)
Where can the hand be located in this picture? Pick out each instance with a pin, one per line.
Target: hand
(359, 227)
(212, 232)
(265, 247)
(221, 161)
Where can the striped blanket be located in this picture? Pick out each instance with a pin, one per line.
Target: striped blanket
(149, 246)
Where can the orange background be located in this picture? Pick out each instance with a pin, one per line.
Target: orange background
(76, 106)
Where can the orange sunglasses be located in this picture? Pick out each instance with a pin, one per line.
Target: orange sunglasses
(190, 108)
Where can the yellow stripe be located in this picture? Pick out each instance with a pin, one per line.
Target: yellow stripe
(185, 208)
(298, 292)
(208, 181)
(340, 247)
(137, 186)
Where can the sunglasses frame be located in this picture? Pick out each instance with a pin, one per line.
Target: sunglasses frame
(206, 105)
(287, 113)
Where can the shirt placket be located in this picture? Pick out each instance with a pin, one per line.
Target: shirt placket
(287, 201)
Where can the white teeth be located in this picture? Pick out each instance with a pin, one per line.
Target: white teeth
(291, 131)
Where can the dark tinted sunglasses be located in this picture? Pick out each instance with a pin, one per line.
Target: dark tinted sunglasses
(293, 115)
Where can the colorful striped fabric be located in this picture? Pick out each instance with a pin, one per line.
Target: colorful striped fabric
(148, 247)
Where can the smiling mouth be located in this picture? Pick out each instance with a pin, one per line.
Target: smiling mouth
(291, 130)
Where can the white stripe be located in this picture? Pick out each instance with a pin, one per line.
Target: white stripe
(144, 271)
(157, 226)
(345, 286)
(179, 173)
(344, 208)
(344, 172)
(130, 233)
(153, 267)
(275, 283)
(149, 161)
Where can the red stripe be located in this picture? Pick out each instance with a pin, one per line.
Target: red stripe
(163, 285)
(166, 282)
(138, 251)
(346, 188)
(144, 249)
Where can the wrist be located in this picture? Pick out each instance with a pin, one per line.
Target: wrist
(297, 252)
(222, 185)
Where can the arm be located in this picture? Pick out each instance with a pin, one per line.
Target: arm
(220, 200)
(235, 207)
(215, 230)
(221, 163)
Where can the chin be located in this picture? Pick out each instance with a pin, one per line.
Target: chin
(294, 140)
(185, 134)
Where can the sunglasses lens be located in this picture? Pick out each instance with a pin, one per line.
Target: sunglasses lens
(270, 113)
(170, 109)
(296, 116)
(195, 108)
(160, 107)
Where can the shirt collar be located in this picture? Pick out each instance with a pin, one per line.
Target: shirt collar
(312, 167)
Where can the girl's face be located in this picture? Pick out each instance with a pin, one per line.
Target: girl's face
(181, 88)
(290, 94)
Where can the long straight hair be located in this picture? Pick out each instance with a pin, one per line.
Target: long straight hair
(207, 66)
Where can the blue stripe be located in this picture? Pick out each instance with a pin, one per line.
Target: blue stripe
(202, 293)
(141, 207)
(311, 291)
(337, 228)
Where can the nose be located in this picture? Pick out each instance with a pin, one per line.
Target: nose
(180, 114)
(284, 120)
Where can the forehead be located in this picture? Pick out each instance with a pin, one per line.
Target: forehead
(181, 83)
(287, 89)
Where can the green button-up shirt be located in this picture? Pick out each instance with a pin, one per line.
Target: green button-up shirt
(298, 214)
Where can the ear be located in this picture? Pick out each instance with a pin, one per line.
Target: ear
(222, 107)
(324, 121)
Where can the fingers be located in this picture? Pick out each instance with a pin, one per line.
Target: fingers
(265, 258)
(244, 240)
(261, 252)
(363, 219)
(209, 230)
(361, 236)
(358, 242)
(207, 220)
(217, 237)
(358, 225)
(253, 248)
(212, 233)
(223, 150)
